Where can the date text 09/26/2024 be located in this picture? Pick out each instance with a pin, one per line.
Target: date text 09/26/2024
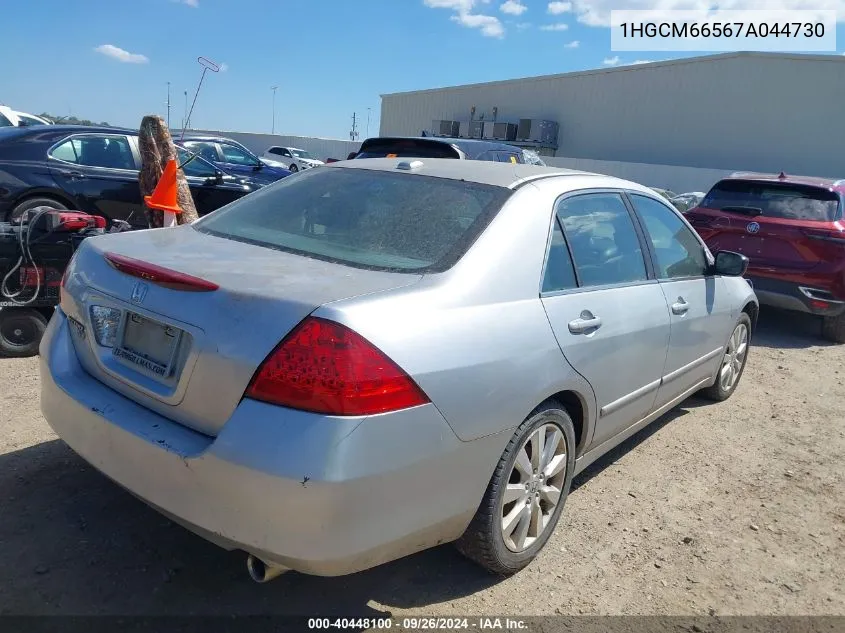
(419, 624)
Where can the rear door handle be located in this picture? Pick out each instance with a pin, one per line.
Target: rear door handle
(680, 307)
(73, 175)
(581, 325)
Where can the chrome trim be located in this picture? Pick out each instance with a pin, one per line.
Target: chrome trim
(628, 399)
(808, 292)
(594, 453)
(690, 366)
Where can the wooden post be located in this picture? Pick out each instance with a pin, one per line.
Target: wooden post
(156, 146)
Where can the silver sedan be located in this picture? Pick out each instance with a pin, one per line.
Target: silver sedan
(376, 357)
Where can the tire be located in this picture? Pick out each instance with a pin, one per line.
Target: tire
(294, 168)
(484, 541)
(32, 203)
(721, 389)
(21, 330)
(833, 328)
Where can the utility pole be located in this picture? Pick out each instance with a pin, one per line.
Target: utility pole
(168, 104)
(274, 88)
(368, 122)
(353, 133)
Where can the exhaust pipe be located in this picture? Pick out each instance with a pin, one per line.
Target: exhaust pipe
(261, 571)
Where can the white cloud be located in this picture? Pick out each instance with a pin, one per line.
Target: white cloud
(489, 25)
(572, 44)
(192, 3)
(597, 12)
(121, 55)
(513, 7)
(554, 27)
(224, 67)
(527, 25)
(556, 8)
(611, 61)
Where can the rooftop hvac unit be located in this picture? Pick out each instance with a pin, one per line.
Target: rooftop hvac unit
(445, 128)
(504, 131)
(489, 129)
(464, 129)
(537, 130)
(476, 129)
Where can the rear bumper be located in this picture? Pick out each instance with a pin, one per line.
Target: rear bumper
(799, 297)
(325, 496)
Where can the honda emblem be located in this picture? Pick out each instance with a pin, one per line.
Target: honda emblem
(752, 227)
(139, 292)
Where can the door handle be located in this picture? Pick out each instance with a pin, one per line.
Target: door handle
(73, 175)
(680, 307)
(584, 323)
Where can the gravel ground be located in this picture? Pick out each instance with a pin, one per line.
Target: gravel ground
(736, 508)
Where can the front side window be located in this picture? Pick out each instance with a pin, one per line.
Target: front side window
(207, 150)
(362, 218)
(238, 156)
(110, 152)
(602, 238)
(195, 166)
(678, 252)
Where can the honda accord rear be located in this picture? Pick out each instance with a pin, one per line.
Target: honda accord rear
(219, 371)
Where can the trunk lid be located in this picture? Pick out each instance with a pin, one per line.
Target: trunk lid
(211, 342)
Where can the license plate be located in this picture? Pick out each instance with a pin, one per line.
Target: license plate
(148, 344)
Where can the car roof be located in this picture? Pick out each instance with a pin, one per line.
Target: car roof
(508, 175)
(826, 183)
(470, 146)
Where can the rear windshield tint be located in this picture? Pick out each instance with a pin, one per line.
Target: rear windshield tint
(363, 218)
(407, 148)
(775, 200)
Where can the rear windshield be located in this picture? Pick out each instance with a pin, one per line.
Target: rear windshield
(774, 200)
(363, 218)
(407, 148)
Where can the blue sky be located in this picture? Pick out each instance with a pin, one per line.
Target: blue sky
(110, 60)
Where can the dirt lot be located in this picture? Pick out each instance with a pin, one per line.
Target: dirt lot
(736, 508)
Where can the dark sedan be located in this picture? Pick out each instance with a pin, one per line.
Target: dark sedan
(95, 169)
(233, 158)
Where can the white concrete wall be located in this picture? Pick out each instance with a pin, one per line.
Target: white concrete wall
(672, 177)
(320, 148)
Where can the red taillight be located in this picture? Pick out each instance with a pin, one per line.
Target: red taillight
(818, 304)
(157, 275)
(325, 367)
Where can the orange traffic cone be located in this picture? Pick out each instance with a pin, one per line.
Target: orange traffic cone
(165, 196)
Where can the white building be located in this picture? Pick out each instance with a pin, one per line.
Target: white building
(737, 111)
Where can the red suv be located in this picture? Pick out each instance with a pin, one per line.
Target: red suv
(792, 230)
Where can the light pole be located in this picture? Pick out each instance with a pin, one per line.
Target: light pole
(274, 88)
(368, 122)
(185, 118)
(168, 105)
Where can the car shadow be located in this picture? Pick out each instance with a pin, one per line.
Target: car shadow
(784, 329)
(73, 542)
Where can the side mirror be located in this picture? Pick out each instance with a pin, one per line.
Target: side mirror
(730, 264)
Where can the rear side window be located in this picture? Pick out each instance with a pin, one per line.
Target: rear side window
(363, 218)
(110, 152)
(407, 148)
(604, 242)
(774, 200)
